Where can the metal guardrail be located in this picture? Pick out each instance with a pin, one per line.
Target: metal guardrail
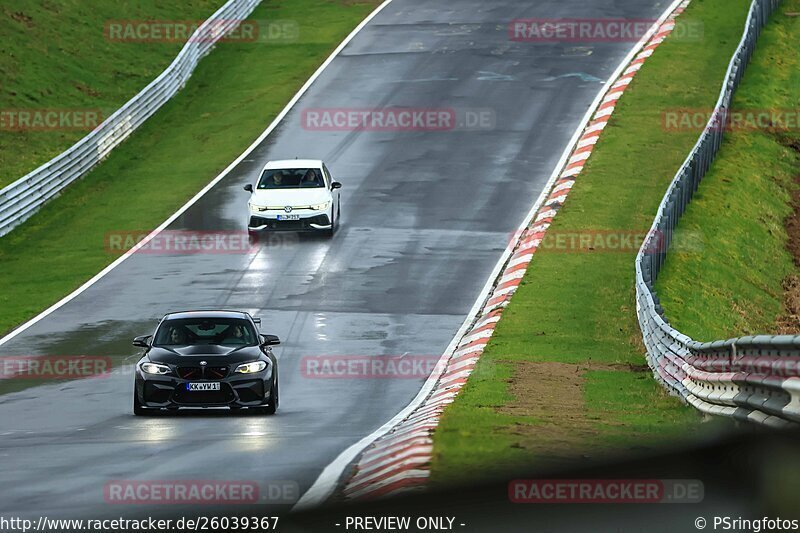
(749, 378)
(21, 199)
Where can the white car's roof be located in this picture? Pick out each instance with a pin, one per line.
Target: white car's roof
(294, 163)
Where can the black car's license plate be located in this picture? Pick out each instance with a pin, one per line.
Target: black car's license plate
(202, 386)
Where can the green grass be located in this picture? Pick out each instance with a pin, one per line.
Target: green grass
(235, 92)
(735, 286)
(456, 440)
(579, 308)
(55, 55)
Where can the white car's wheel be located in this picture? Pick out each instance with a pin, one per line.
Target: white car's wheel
(334, 222)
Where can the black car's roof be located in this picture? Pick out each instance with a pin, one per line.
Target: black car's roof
(207, 314)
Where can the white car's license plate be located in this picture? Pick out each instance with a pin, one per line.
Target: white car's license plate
(288, 217)
(202, 386)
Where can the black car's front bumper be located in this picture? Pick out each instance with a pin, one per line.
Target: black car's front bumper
(171, 392)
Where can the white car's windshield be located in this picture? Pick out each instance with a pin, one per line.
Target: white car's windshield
(291, 178)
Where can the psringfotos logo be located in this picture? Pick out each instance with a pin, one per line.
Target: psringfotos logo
(54, 366)
(50, 119)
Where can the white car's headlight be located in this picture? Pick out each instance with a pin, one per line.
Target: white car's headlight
(154, 368)
(251, 368)
(320, 207)
(256, 207)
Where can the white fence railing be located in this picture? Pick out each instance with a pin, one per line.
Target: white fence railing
(750, 378)
(25, 196)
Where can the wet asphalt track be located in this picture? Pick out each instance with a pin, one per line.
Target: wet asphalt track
(425, 217)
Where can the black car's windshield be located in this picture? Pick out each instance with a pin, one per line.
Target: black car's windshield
(291, 178)
(192, 331)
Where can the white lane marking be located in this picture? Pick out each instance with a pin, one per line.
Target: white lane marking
(327, 481)
(205, 189)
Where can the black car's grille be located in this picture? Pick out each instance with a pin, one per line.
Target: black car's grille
(190, 372)
(216, 372)
(200, 372)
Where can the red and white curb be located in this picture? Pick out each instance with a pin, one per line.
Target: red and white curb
(399, 461)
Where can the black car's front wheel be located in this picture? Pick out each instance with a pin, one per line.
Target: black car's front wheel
(138, 410)
(272, 404)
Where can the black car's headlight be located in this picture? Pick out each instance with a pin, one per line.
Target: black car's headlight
(251, 368)
(154, 368)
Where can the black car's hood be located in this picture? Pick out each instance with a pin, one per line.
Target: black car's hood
(211, 353)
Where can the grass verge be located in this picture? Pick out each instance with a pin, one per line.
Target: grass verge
(745, 277)
(56, 55)
(224, 107)
(564, 375)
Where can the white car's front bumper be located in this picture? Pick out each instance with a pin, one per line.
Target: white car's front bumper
(296, 220)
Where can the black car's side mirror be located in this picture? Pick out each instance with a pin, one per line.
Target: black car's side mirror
(248, 187)
(336, 185)
(142, 341)
(270, 340)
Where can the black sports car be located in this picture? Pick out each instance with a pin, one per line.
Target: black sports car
(206, 359)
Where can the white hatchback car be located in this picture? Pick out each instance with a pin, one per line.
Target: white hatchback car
(294, 195)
